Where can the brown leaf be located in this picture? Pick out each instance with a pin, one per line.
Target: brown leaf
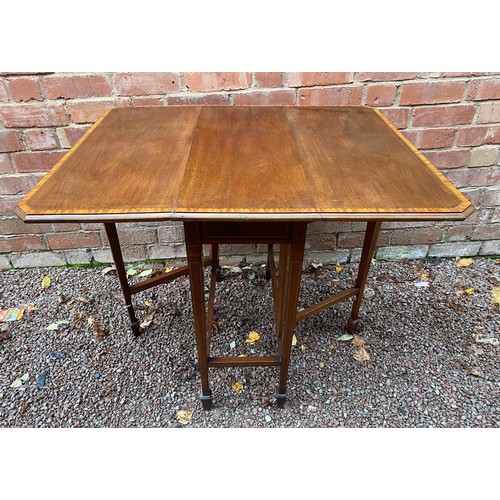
(24, 407)
(358, 341)
(361, 354)
(99, 330)
(464, 262)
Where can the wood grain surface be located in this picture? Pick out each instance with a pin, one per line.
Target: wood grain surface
(243, 162)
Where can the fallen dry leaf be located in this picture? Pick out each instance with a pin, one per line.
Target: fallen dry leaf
(464, 262)
(294, 340)
(358, 341)
(24, 407)
(237, 386)
(495, 296)
(253, 337)
(322, 365)
(98, 329)
(184, 416)
(338, 268)
(469, 291)
(361, 354)
(46, 282)
(424, 277)
(108, 270)
(474, 349)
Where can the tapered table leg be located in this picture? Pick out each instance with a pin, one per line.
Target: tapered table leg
(371, 235)
(192, 234)
(215, 262)
(290, 286)
(114, 244)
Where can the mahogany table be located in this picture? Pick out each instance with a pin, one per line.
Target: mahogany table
(244, 174)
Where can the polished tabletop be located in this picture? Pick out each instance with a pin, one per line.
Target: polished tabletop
(243, 163)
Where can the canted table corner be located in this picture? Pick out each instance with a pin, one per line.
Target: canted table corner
(237, 174)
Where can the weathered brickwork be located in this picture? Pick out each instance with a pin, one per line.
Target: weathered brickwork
(453, 118)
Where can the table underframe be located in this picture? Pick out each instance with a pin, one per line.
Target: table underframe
(285, 282)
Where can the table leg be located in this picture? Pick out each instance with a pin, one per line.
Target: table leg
(290, 283)
(194, 248)
(371, 235)
(114, 243)
(215, 261)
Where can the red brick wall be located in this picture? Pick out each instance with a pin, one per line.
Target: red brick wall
(453, 118)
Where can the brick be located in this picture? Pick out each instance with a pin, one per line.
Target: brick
(6, 165)
(483, 156)
(481, 176)
(4, 262)
(495, 216)
(62, 227)
(7, 205)
(40, 139)
(78, 256)
(76, 86)
(490, 248)
(415, 236)
(33, 115)
(482, 90)
(69, 136)
(146, 100)
(355, 239)
(330, 96)
(402, 252)
(431, 92)
(72, 240)
(3, 93)
(17, 226)
(476, 136)
(135, 236)
(128, 84)
(318, 79)
(397, 116)
(486, 232)
(326, 227)
(167, 251)
(38, 259)
(489, 112)
(25, 89)
(200, 82)
(269, 80)
(474, 195)
(133, 253)
(431, 138)
(479, 216)
(491, 197)
(91, 111)
(380, 95)
(198, 99)
(439, 116)
(448, 158)
(171, 234)
(36, 161)
(265, 98)
(454, 249)
(10, 184)
(384, 77)
(454, 74)
(458, 233)
(9, 141)
(20, 244)
(330, 257)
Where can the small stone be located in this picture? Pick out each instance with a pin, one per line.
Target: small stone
(97, 375)
(268, 418)
(40, 383)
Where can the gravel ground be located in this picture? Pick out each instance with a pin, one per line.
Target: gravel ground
(429, 365)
